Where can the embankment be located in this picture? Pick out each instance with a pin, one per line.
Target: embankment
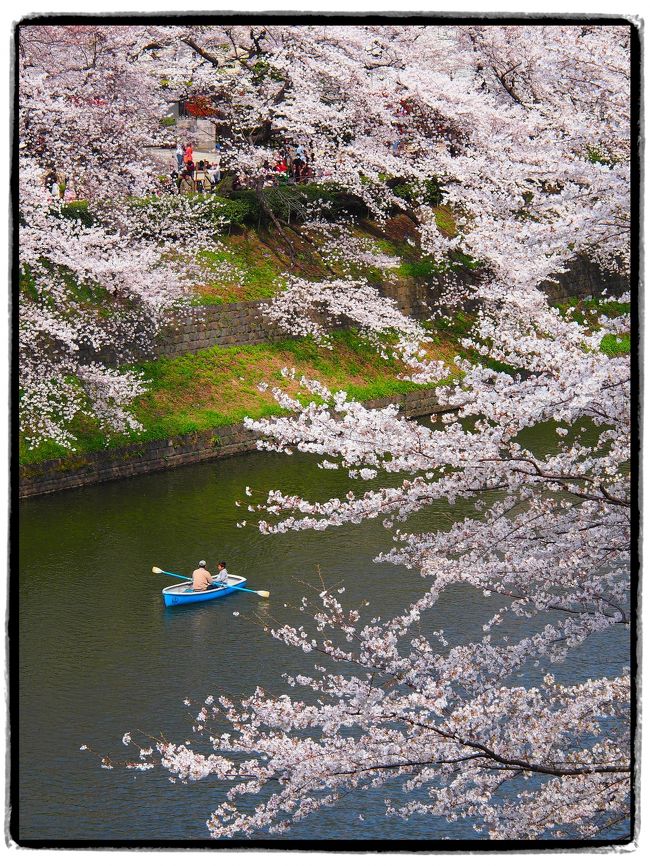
(236, 320)
(126, 461)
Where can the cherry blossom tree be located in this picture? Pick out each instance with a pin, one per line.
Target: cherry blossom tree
(349, 90)
(394, 701)
(525, 131)
(94, 282)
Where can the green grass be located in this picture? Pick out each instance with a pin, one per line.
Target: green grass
(422, 269)
(255, 276)
(218, 386)
(395, 248)
(88, 296)
(607, 308)
(587, 312)
(445, 221)
(456, 326)
(613, 345)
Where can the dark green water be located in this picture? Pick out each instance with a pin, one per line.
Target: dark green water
(100, 655)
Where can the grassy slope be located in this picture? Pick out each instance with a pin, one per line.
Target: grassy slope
(261, 258)
(587, 311)
(218, 386)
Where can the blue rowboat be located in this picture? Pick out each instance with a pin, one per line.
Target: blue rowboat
(182, 593)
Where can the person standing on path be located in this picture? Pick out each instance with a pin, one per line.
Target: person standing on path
(179, 156)
(201, 578)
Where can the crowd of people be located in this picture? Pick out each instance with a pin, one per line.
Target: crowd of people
(197, 177)
(291, 164)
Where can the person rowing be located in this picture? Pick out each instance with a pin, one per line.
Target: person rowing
(201, 578)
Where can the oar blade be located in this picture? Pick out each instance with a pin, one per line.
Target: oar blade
(157, 570)
(263, 592)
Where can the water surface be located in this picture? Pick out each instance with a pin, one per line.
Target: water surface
(100, 655)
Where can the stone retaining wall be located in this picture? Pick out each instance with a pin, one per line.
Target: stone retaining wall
(584, 278)
(190, 329)
(243, 323)
(194, 328)
(145, 457)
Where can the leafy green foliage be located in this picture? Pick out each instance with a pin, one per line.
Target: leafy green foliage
(215, 207)
(430, 192)
(460, 259)
(424, 268)
(78, 210)
(287, 201)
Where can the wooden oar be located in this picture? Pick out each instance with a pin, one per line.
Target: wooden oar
(157, 570)
(261, 592)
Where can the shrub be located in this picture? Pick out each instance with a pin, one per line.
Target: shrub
(235, 212)
(78, 210)
(332, 198)
(287, 201)
(247, 200)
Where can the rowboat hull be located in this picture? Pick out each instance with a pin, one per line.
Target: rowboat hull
(182, 593)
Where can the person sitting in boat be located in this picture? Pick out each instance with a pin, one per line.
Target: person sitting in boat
(201, 578)
(222, 574)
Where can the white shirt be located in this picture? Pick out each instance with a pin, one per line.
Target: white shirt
(221, 577)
